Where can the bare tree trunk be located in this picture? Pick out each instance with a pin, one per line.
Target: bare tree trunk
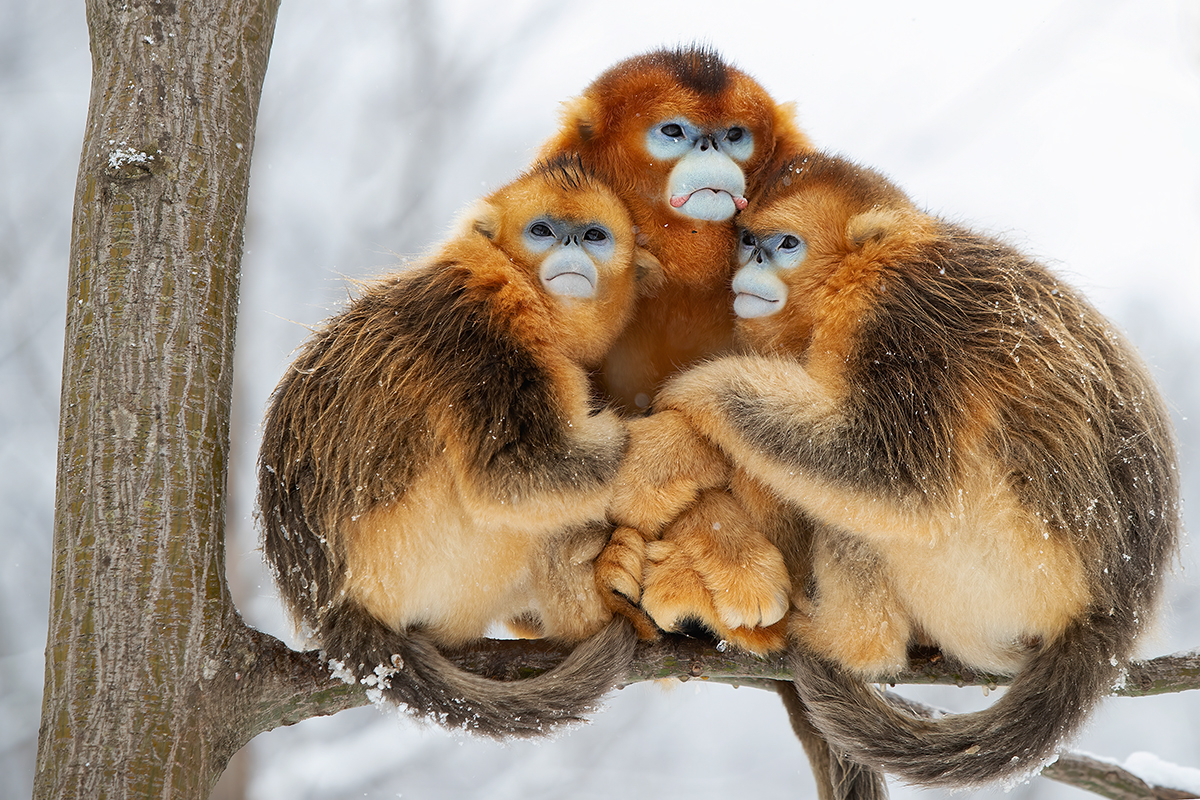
(141, 625)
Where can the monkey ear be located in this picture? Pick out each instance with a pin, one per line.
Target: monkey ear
(876, 225)
(649, 271)
(580, 115)
(485, 219)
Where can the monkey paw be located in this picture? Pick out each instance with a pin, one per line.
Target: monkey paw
(677, 599)
(619, 565)
(673, 593)
(619, 579)
(750, 594)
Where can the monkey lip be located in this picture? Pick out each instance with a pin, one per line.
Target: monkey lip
(677, 201)
(749, 306)
(570, 284)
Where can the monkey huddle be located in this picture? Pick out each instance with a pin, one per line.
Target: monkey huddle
(892, 432)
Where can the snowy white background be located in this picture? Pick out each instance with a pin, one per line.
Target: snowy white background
(1072, 128)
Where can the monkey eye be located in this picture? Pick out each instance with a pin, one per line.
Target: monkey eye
(735, 134)
(789, 242)
(541, 230)
(673, 130)
(747, 239)
(594, 235)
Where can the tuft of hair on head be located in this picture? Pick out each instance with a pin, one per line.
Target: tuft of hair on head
(698, 67)
(566, 170)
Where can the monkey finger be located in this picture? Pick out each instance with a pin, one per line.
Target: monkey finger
(619, 565)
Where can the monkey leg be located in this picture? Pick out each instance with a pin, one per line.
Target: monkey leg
(677, 599)
(571, 605)
(666, 466)
(618, 575)
(855, 618)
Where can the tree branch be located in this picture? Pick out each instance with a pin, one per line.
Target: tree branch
(1107, 779)
(685, 659)
(295, 686)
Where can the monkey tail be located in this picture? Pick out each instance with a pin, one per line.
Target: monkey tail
(412, 673)
(1048, 701)
(837, 777)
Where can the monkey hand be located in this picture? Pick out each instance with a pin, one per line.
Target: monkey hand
(619, 579)
(742, 570)
(666, 466)
(742, 576)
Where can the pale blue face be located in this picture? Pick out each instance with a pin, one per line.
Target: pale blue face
(758, 286)
(708, 181)
(573, 254)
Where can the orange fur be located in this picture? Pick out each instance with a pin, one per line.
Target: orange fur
(688, 317)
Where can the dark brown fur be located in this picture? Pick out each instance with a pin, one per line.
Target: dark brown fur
(447, 410)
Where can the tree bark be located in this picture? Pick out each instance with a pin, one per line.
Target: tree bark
(143, 636)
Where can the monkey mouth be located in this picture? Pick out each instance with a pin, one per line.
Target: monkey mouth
(750, 306)
(570, 284)
(678, 201)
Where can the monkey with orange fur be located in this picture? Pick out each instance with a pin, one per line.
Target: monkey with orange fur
(685, 138)
(434, 462)
(973, 457)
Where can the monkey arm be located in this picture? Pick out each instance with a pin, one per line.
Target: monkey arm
(667, 466)
(798, 436)
(550, 473)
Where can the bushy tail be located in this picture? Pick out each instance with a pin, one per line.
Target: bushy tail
(837, 776)
(1048, 701)
(410, 671)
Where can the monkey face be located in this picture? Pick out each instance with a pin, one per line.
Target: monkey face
(759, 287)
(566, 245)
(707, 181)
(573, 253)
(681, 131)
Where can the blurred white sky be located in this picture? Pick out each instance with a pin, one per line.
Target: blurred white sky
(1072, 128)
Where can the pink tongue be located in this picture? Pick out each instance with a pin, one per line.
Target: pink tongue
(678, 200)
(740, 203)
